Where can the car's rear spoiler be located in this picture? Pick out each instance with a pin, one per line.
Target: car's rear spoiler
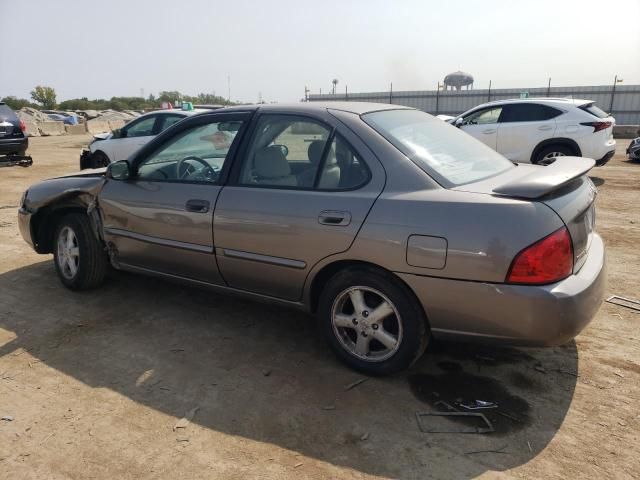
(545, 180)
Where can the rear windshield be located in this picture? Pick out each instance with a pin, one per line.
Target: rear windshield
(449, 155)
(6, 114)
(594, 110)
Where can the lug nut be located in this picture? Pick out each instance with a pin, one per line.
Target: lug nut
(355, 321)
(365, 314)
(374, 326)
(364, 334)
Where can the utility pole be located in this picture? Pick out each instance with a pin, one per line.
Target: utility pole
(391, 93)
(613, 92)
(489, 96)
(306, 93)
(549, 87)
(437, 97)
(228, 88)
(346, 93)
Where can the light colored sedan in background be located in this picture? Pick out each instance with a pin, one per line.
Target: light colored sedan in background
(537, 130)
(388, 224)
(107, 148)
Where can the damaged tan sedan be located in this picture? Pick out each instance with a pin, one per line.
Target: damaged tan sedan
(391, 226)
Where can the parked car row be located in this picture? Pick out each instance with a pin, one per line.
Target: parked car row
(388, 224)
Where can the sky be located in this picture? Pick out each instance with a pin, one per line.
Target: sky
(273, 49)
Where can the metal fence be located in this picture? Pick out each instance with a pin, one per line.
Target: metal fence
(623, 101)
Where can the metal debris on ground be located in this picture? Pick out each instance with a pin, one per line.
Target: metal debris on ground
(488, 429)
(624, 302)
(7, 418)
(184, 421)
(16, 161)
(497, 450)
(355, 384)
(477, 405)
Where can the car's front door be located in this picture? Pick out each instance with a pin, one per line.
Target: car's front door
(133, 136)
(161, 219)
(483, 125)
(300, 194)
(522, 127)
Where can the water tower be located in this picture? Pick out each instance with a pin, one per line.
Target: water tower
(458, 80)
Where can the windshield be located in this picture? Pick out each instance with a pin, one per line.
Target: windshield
(449, 155)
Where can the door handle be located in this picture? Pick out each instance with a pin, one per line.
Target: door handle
(197, 206)
(334, 218)
(545, 127)
(488, 131)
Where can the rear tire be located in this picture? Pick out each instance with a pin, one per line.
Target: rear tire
(80, 260)
(389, 331)
(547, 154)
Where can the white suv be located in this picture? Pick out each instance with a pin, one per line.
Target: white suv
(538, 129)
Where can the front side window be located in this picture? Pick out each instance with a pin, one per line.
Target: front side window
(448, 154)
(483, 117)
(528, 112)
(286, 151)
(195, 155)
(141, 128)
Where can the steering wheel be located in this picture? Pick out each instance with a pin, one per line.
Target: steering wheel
(181, 175)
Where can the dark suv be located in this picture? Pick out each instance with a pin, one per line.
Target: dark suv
(13, 140)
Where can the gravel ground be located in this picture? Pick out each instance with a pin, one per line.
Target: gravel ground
(93, 385)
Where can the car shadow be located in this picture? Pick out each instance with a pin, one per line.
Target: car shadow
(263, 372)
(597, 181)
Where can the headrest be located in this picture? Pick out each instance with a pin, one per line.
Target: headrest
(270, 162)
(314, 151)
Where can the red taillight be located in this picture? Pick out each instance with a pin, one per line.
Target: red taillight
(597, 126)
(23, 127)
(546, 261)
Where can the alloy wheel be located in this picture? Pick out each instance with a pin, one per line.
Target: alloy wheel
(366, 323)
(68, 257)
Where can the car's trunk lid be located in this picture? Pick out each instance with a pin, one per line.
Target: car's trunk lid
(562, 186)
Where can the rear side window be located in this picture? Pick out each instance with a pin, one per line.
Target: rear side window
(594, 110)
(168, 120)
(528, 112)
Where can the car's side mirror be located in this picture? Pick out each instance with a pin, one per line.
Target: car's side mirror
(119, 170)
(459, 121)
(283, 148)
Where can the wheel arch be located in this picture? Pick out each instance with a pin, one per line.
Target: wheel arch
(566, 142)
(322, 276)
(44, 222)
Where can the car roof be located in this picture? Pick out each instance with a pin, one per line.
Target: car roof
(359, 108)
(543, 100)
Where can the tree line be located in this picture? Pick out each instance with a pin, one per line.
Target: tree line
(45, 98)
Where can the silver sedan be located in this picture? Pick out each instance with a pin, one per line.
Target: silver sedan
(389, 225)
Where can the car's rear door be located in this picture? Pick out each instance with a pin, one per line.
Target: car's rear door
(161, 219)
(482, 124)
(277, 219)
(522, 127)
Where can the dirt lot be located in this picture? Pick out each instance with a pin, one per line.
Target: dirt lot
(94, 383)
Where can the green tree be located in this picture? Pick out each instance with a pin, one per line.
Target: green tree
(45, 96)
(17, 103)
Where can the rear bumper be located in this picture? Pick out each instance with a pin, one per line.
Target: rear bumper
(13, 145)
(605, 158)
(514, 314)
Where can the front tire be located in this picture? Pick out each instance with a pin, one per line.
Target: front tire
(80, 260)
(372, 321)
(99, 160)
